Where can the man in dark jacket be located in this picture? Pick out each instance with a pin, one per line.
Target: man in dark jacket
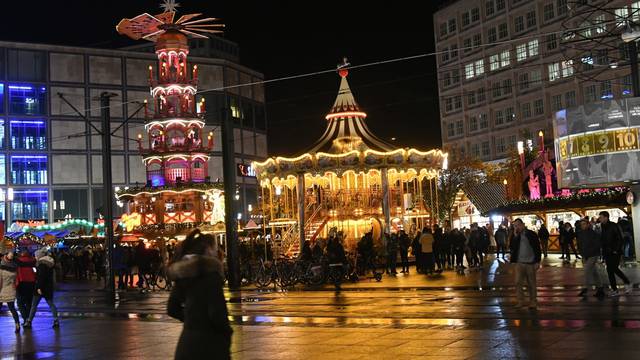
(526, 255)
(589, 246)
(457, 243)
(612, 243)
(404, 244)
(44, 287)
(501, 241)
(392, 253)
(416, 250)
(543, 235)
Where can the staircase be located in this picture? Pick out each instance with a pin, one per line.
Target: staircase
(312, 228)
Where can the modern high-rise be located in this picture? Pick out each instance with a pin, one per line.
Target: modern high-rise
(506, 66)
(50, 158)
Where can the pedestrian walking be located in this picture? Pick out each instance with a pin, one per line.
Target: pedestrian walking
(612, 244)
(416, 250)
(447, 244)
(525, 255)
(437, 251)
(44, 287)
(543, 235)
(392, 253)
(590, 246)
(501, 241)
(458, 244)
(426, 245)
(25, 283)
(8, 269)
(403, 244)
(197, 299)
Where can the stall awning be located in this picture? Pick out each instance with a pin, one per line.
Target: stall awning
(485, 196)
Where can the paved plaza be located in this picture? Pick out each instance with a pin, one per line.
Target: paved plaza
(453, 316)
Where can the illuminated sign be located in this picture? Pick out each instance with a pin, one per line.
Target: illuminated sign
(131, 221)
(245, 170)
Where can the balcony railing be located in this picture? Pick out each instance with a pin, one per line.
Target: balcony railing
(161, 177)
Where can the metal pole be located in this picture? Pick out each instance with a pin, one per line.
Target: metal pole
(385, 199)
(229, 173)
(108, 193)
(301, 227)
(635, 75)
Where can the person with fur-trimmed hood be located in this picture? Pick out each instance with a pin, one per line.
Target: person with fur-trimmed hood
(44, 287)
(197, 299)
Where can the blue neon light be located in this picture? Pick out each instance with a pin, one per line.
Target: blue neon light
(29, 156)
(157, 181)
(27, 122)
(21, 87)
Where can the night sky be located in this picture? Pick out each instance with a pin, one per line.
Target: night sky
(282, 38)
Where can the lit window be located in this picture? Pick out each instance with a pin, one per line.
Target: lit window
(1, 98)
(3, 175)
(521, 52)
(479, 67)
(30, 204)
(621, 16)
(533, 47)
(504, 58)
(468, 71)
(27, 99)
(1, 134)
(567, 68)
(28, 135)
(635, 11)
(554, 71)
(494, 62)
(28, 169)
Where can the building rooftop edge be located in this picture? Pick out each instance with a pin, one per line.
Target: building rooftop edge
(120, 52)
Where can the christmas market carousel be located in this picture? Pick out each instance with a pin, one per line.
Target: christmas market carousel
(178, 195)
(350, 181)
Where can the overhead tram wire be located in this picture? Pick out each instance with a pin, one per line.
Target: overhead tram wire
(374, 63)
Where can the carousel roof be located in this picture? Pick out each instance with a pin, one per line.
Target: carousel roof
(348, 145)
(346, 128)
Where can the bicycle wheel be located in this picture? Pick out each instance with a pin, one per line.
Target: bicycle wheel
(315, 275)
(161, 281)
(263, 278)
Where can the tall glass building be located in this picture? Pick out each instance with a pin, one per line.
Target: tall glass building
(50, 158)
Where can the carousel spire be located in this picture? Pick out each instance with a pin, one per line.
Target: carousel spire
(345, 104)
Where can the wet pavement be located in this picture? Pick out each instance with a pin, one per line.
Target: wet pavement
(451, 316)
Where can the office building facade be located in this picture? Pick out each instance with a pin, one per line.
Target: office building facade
(505, 67)
(50, 157)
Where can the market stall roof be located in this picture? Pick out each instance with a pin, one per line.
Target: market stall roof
(615, 197)
(485, 196)
(251, 225)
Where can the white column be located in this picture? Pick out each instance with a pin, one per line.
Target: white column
(385, 199)
(300, 193)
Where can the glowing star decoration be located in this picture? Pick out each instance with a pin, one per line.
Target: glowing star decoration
(169, 5)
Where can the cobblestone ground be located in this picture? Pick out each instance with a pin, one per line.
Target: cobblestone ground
(452, 316)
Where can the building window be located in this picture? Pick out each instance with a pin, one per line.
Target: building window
(552, 42)
(556, 103)
(480, 95)
(490, 8)
(525, 109)
(548, 11)
(443, 29)
(567, 68)
(494, 62)
(507, 87)
(2, 98)
(3, 175)
(486, 150)
(27, 100)
(492, 35)
(451, 129)
(505, 58)
(452, 26)
(496, 90)
(500, 146)
(500, 5)
(531, 19)
(453, 50)
(444, 55)
(457, 102)
(626, 85)
(484, 121)
(455, 76)
(535, 78)
(472, 70)
(570, 98)
(477, 41)
(459, 127)
(28, 134)
(1, 134)
(448, 104)
(479, 67)
(509, 114)
(446, 79)
(71, 202)
(554, 71)
(466, 19)
(621, 15)
(475, 150)
(538, 107)
(28, 169)
(471, 98)
(475, 14)
(521, 52)
(473, 124)
(533, 47)
(499, 118)
(562, 7)
(503, 31)
(25, 65)
(466, 44)
(590, 93)
(32, 204)
(518, 24)
(523, 81)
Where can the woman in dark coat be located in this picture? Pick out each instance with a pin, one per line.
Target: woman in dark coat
(197, 299)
